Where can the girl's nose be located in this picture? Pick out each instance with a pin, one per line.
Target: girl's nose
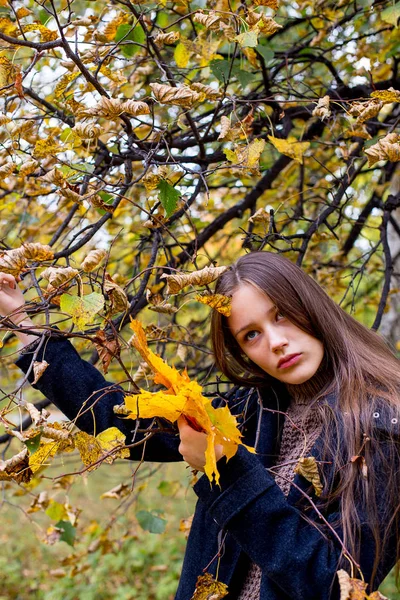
(277, 341)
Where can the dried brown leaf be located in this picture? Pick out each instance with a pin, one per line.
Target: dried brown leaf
(117, 296)
(119, 491)
(93, 260)
(177, 281)
(207, 588)
(38, 369)
(260, 216)
(387, 96)
(322, 109)
(162, 39)
(57, 276)
(209, 92)
(136, 108)
(87, 131)
(211, 20)
(180, 96)
(388, 148)
(365, 110)
(107, 348)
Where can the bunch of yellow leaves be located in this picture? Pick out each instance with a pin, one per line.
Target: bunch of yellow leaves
(183, 398)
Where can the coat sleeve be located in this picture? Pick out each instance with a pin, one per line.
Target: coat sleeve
(80, 391)
(301, 559)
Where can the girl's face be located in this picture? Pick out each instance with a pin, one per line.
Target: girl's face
(270, 340)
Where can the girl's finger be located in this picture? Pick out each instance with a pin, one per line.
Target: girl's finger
(7, 278)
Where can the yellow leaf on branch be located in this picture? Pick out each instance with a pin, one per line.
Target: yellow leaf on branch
(308, 468)
(94, 450)
(290, 147)
(208, 588)
(183, 397)
(387, 96)
(218, 302)
(354, 589)
(247, 155)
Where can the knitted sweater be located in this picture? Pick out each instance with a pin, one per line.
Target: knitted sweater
(301, 429)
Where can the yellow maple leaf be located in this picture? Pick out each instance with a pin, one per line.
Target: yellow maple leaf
(218, 302)
(209, 588)
(183, 398)
(290, 147)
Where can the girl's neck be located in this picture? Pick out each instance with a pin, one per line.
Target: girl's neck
(304, 393)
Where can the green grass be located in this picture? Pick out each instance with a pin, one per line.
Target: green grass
(112, 558)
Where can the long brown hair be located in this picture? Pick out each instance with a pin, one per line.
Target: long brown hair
(364, 375)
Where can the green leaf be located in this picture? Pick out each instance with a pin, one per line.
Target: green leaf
(244, 77)
(56, 511)
(392, 14)
(220, 69)
(69, 532)
(82, 310)
(33, 443)
(136, 34)
(168, 196)
(248, 39)
(265, 52)
(151, 522)
(168, 488)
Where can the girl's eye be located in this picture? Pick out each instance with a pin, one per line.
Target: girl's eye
(250, 335)
(279, 316)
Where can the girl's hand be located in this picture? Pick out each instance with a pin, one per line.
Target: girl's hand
(193, 446)
(11, 297)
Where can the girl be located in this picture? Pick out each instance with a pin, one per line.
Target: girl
(314, 383)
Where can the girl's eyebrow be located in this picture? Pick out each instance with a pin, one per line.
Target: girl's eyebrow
(252, 323)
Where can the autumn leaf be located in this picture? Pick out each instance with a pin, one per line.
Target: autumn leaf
(180, 96)
(107, 349)
(58, 276)
(94, 450)
(183, 398)
(177, 281)
(290, 147)
(322, 109)
(388, 148)
(365, 110)
(17, 468)
(247, 155)
(82, 309)
(119, 491)
(171, 37)
(260, 216)
(386, 96)
(116, 295)
(308, 468)
(93, 260)
(354, 589)
(208, 588)
(210, 20)
(38, 369)
(218, 302)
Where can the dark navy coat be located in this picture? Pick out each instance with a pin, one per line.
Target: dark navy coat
(247, 518)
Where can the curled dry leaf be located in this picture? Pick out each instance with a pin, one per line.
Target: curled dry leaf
(87, 131)
(162, 39)
(365, 110)
(119, 491)
(218, 302)
(208, 588)
(38, 369)
(107, 348)
(290, 147)
(180, 96)
(136, 108)
(28, 167)
(387, 96)
(54, 176)
(185, 525)
(142, 372)
(388, 148)
(4, 119)
(112, 108)
(239, 130)
(259, 22)
(164, 308)
(260, 216)
(16, 468)
(211, 20)
(70, 195)
(354, 589)
(208, 91)
(117, 296)
(6, 170)
(57, 276)
(93, 260)
(308, 468)
(322, 109)
(36, 251)
(177, 281)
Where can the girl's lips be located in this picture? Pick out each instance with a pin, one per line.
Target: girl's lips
(289, 361)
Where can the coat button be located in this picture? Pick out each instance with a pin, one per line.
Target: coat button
(376, 415)
(394, 421)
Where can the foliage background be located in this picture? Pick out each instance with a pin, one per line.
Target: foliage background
(192, 177)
